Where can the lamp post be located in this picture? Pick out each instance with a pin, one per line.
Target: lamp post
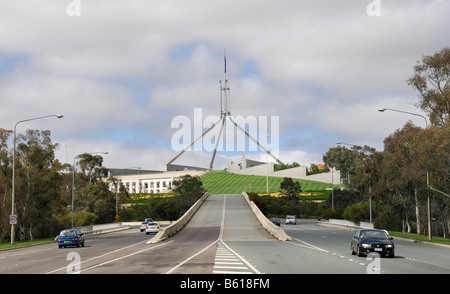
(116, 184)
(14, 169)
(73, 178)
(428, 176)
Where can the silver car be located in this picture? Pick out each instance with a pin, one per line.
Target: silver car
(290, 219)
(152, 228)
(143, 226)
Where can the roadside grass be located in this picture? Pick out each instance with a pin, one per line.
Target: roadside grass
(420, 238)
(18, 244)
(221, 182)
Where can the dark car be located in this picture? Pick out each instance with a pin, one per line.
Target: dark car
(70, 237)
(371, 240)
(275, 221)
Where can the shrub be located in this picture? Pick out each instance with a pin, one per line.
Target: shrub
(357, 212)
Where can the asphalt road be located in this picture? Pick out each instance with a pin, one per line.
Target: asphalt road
(224, 237)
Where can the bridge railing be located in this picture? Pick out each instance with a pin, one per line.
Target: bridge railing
(273, 229)
(177, 225)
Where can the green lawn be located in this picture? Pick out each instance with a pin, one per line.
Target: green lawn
(220, 182)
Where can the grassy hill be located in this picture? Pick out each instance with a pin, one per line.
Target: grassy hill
(221, 182)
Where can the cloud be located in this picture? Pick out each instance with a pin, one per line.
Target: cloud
(122, 70)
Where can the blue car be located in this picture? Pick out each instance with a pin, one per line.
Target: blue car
(70, 237)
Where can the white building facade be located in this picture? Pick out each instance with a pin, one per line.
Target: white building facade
(155, 182)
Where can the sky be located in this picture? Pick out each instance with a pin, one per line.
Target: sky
(122, 71)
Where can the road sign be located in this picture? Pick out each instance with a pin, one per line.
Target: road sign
(117, 218)
(13, 219)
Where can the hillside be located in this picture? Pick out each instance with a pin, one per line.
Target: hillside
(221, 182)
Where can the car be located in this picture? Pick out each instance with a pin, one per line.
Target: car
(143, 225)
(152, 228)
(365, 241)
(71, 237)
(290, 219)
(275, 221)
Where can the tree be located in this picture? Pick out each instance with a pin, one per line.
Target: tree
(37, 182)
(431, 79)
(188, 185)
(91, 166)
(404, 176)
(5, 183)
(347, 160)
(291, 189)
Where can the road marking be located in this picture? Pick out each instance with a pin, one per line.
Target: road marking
(99, 256)
(228, 262)
(225, 251)
(125, 256)
(306, 245)
(186, 260)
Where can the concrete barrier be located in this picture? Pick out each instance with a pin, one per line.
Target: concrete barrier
(346, 224)
(270, 227)
(179, 224)
(102, 228)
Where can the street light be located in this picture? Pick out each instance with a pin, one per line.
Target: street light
(73, 178)
(117, 196)
(411, 113)
(14, 168)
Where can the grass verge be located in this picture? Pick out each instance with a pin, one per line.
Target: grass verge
(17, 244)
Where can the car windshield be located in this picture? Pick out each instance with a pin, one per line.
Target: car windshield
(67, 234)
(152, 224)
(373, 235)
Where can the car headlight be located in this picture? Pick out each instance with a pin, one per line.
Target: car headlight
(389, 246)
(364, 245)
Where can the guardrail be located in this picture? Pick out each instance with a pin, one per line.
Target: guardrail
(177, 225)
(273, 229)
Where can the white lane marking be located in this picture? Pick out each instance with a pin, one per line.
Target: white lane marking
(99, 256)
(307, 245)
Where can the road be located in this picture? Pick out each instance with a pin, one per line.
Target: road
(224, 237)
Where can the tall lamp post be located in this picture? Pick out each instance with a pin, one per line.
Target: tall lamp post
(13, 232)
(428, 177)
(73, 178)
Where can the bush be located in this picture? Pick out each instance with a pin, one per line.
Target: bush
(357, 212)
(331, 213)
(83, 218)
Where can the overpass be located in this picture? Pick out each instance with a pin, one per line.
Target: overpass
(224, 236)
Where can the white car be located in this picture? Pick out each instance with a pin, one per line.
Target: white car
(143, 226)
(152, 228)
(290, 219)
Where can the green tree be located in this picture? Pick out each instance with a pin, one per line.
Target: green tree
(431, 79)
(5, 183)
(37, 183)
(188, 185)
(290, 188)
